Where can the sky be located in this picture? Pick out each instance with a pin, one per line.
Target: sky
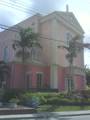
(14, 11)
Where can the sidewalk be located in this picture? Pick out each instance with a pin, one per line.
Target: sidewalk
(47, 115)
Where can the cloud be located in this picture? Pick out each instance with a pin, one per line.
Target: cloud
(84, 19)
(10, 15)
(45, 6)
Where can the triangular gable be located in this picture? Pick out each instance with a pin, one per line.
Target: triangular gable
(66, 18)
(71, 19)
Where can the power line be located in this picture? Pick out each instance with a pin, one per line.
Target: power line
(7, 28)
(86, 45)
(19, 4)
(18, 8)
(15, 30)
(51, 39)
(23, 5)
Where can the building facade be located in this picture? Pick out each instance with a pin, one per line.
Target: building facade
(46, 68)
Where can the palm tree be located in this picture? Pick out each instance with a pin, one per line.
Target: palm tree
(23, 46)
(4, 73)
(27, 40)
(73, 48)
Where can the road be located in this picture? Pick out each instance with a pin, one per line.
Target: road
(78, 115)
(85, 117)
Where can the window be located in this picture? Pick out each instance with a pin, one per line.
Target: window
(29, 80)
(68, 37)
(40, 82)
(36, 54)
(69, 84)
(5, 54)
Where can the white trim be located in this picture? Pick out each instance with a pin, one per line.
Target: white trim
(69, 35)
(39, 73)
(59, 17)
(42, 80)
(28, 86)
(29, 72)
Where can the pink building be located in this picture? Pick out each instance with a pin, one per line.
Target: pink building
(46, 68)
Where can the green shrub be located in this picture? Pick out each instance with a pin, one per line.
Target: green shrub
(9, 94)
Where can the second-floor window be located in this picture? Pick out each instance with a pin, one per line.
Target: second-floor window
(36, 54)
(68, 37)
(5, 54)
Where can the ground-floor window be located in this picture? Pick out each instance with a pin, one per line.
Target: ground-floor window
(29, 80)
(69, 84)
(39, 79)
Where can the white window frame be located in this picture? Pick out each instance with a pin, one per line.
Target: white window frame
(36, 56)
(68, 84)
(68, 37)
(42, 83)
(30, 74)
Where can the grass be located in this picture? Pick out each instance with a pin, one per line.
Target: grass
(54, 108)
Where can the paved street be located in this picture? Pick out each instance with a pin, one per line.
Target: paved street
(85, 117)
(76, 115)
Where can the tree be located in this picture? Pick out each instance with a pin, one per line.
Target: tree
(72, 50)
(27, 40)
(23, 46)
(4, 73)
(87, 71)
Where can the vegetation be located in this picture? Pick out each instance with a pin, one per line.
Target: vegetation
(73, 48)
(72, 53)
(55, 108)
(49, 101)
(24, 44)
(87, 71)
(4, 73)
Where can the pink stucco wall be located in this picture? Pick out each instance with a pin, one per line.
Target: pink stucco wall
(61, 81)
(43, 69)
(17, 80)
(79, 82)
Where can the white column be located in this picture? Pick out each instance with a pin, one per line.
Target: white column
(54, 67)
(54, 76)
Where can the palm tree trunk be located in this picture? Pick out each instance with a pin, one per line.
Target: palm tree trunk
(71, 77)
(24, 69)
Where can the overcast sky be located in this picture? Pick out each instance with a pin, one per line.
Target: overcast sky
(14, 11)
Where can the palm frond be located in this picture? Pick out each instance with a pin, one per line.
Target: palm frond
(20, 54)
(77, 37)
(28, 39)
